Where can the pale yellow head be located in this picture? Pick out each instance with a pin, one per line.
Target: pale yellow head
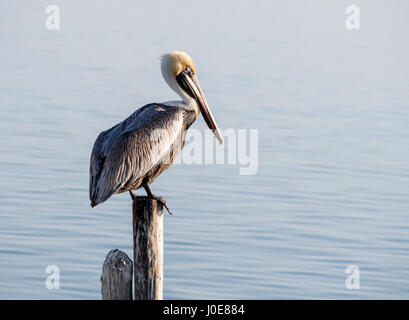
(179, 60)
(172, 65)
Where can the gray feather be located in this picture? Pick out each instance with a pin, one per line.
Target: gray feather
(132, 152)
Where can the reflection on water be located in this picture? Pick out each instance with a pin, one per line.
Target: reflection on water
(330, 106)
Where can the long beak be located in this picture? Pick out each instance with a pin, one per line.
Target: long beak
(189, 83)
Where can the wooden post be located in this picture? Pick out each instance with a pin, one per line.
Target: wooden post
(147, 221)
(116, 279)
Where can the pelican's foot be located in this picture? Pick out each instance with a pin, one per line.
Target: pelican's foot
(163, 201)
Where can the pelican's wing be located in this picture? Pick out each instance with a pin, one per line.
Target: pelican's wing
(126, 152)
(100, 151)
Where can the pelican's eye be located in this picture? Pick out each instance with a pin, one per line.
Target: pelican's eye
(189, 71)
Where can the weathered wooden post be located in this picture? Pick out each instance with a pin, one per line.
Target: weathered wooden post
(147, 223)
(116, 279)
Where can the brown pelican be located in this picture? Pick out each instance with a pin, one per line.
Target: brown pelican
(137, 150)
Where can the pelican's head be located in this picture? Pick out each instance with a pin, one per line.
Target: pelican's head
(179, 72)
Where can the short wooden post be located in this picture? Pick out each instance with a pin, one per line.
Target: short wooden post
(116, 279)
(147, 221)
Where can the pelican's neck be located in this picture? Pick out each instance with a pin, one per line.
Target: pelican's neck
(191, 104)
(187, 105)
(188, 102)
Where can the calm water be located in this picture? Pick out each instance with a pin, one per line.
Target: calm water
(331, 107)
